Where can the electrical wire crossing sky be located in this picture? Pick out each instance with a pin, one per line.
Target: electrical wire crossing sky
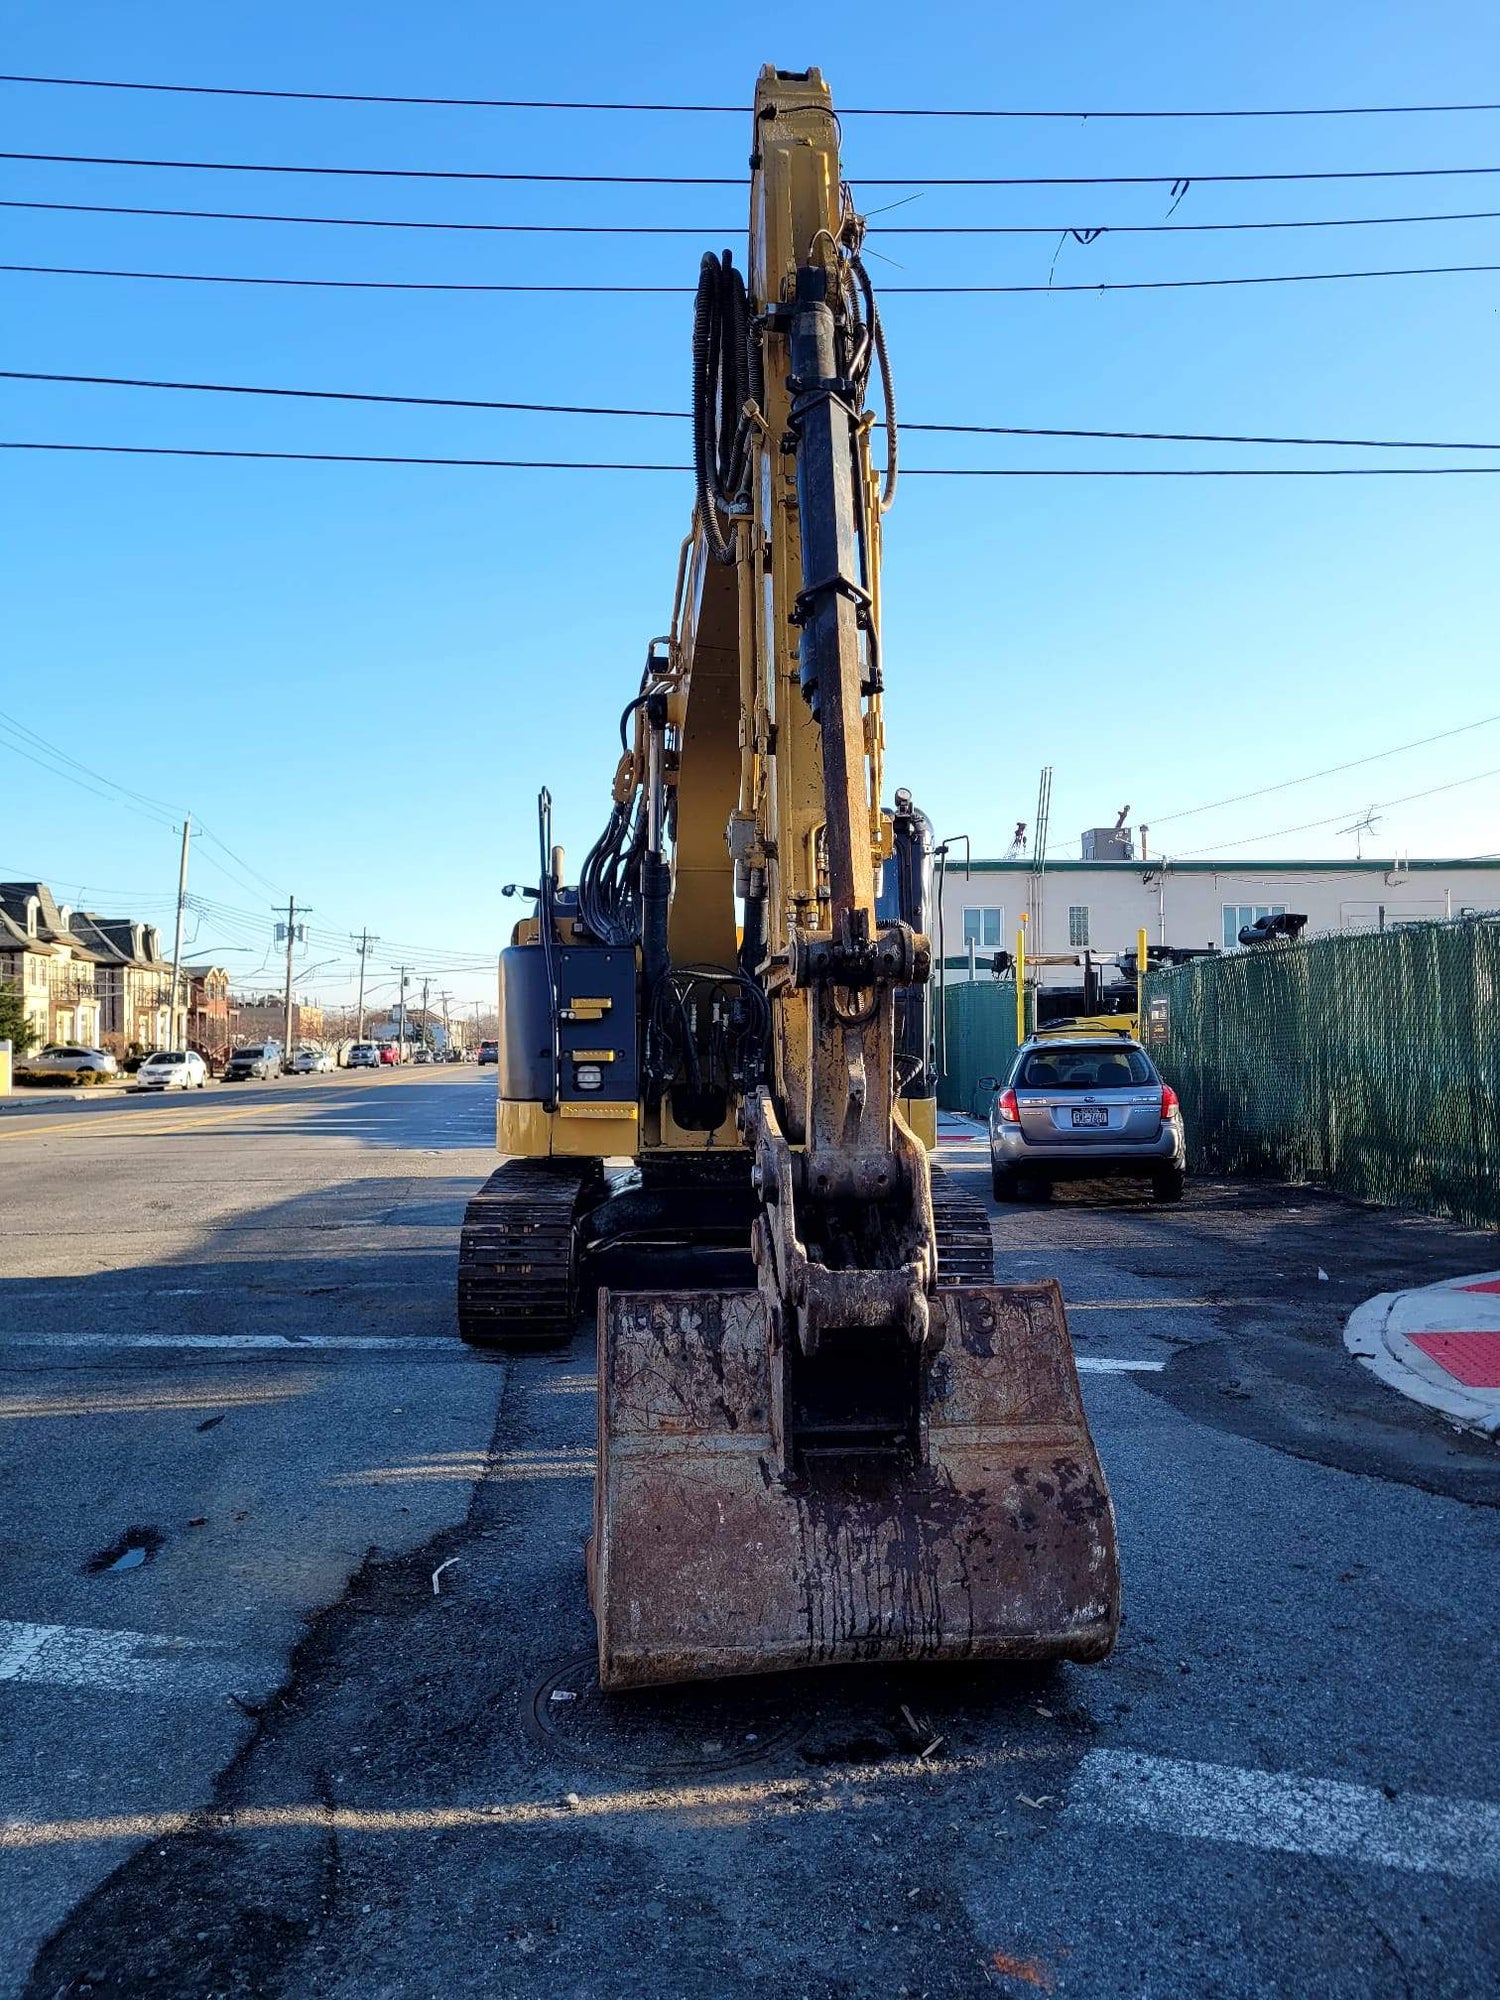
(343, 380)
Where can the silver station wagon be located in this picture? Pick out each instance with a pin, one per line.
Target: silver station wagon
(1084, 1107)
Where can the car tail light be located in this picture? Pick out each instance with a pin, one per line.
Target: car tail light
(1010, 1111)
(1170, 1108)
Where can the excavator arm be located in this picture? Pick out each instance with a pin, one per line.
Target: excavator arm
(876, 1452)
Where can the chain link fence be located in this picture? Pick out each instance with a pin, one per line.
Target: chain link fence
(980, 1039)
(1370, 1063)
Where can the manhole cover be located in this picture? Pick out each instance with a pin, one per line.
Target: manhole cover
(666, 1732)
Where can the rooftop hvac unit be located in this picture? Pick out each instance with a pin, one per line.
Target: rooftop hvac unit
(1108, 843)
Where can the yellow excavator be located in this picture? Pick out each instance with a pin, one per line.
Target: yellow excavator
(720, 1036)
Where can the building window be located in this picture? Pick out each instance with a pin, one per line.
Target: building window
(1237, 915)
(984, 927)
(1078, 926)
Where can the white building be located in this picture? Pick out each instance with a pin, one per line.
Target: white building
(1101, 905)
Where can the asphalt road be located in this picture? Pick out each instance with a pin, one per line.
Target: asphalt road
(284, 1751)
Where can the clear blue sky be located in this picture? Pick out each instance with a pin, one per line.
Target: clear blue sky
(361, 676)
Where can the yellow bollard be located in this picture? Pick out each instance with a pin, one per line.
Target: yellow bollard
(1021, 983)
(1140, 982)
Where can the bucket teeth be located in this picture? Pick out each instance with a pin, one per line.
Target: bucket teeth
(711, 1559)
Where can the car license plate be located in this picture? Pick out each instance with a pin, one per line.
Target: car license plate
(1081, 1117)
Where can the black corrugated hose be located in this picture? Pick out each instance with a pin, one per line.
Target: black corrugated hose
(725, 376)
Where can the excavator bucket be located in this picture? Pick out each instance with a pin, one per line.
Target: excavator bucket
(994, 1540)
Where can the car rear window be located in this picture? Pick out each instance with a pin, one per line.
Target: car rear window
(1085, 1069)
(247, 1055)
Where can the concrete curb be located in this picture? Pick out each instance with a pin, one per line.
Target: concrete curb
(1379, 1335)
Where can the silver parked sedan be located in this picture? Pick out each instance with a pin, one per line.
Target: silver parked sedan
(1083, 1107)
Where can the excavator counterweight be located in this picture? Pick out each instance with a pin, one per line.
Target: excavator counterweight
(865, 1449)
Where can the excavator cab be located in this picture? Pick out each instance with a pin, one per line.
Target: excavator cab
(867, 1449)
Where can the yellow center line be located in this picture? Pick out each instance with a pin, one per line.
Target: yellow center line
(206, 1117)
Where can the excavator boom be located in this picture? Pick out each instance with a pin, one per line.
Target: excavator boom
(876, 1452)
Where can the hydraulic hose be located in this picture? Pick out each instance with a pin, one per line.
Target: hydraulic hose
(722, 384)
(887, 384)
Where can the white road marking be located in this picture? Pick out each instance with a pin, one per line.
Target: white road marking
(79, 1656)
(1141, 1305)
(1288, 1814)
(1102, 1364)
(240, 1343)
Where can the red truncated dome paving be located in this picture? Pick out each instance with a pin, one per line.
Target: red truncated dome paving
(1470, 1358)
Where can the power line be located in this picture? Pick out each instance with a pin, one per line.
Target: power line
(1173, 180)
(362, 222)
(623, 465)
(397, 173)
(1329, 771)
(37, 750)
(720, 110)
(693, 229)
(1149, 229)
(682, 291)
(615, 410)
(1381, 805)
(338, 284)
(59, 764)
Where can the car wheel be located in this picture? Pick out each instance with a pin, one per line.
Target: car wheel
(1168, 1186)
(1003, 1183)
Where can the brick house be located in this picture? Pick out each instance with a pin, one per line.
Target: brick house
(211, 1019)
(55, 968)
(261, 1017)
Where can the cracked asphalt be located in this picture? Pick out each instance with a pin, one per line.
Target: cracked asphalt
(335, 1731)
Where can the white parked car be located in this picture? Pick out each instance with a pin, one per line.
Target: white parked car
(311, 1062)
(172, 1069)
(70, 1055)
(364, 1055)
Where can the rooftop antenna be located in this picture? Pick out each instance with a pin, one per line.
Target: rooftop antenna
(1043, 815)
(1017, 842)
(1120, 818)
(1367, 823)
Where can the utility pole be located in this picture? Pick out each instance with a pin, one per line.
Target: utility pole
(401, 1018)
(291, 939)
(426, 1029)
(445, 997)
(365, 941)
(187, 827)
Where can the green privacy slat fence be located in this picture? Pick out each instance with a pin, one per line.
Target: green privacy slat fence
(1370, 1064)
(981, 1017)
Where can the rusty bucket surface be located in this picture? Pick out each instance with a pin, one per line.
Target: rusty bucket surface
(710, 1559)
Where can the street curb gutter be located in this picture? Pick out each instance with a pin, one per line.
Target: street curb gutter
(1373, 1339)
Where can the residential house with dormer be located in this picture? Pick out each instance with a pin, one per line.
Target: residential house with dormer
(134, 983)
(55, 969)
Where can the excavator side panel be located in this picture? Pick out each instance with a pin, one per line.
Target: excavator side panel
(998, 1544)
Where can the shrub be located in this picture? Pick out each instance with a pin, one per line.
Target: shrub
(15, 1028)
(62, 1079)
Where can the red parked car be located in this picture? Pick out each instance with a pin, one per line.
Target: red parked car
(389, 1053)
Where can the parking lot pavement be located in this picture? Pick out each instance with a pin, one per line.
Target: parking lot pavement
(1283, 1782)
(227, 1382)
